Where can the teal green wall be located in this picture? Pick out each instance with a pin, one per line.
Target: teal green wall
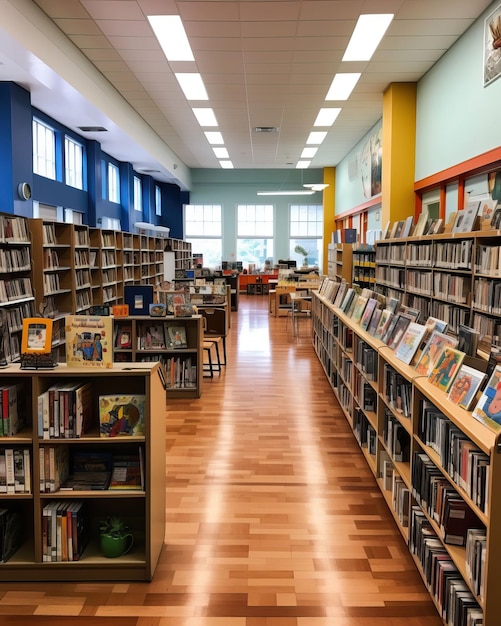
(231, 187)
(457, 117)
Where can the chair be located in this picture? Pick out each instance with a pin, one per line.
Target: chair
(297, 310)
(207, 346)
(215, 326)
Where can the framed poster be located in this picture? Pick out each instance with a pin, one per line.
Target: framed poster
(37, 335)
(492, 46)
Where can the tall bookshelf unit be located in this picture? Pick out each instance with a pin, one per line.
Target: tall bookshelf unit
(395, 415)
(364, 265)
(340, 261)
(455, 277)
(17, 299)
(183, 366)
(143, 510)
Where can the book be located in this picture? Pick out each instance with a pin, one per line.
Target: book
(466, 219)
(410, 342)
(465, 386)
(431, 352)
(488, 409)
(151, 337)
(397, 332)
(445, 368)
(121, 415)
(368, 313)
(89, 341)
(419, 229)
(358, 309)
(374, 322)
(468, 340)
(127, 472)
(123, 339)
(90, 470)
(184, 310)
(172, 299)
(176, 337)
(384, 322)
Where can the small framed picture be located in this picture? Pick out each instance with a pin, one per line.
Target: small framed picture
(37, 335)
(158, 309)
(120, 310)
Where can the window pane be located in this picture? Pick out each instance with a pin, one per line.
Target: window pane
(73, 153)
(138, 198)
(113, 183)
(44, 150)
(255, 251)
(211, 249)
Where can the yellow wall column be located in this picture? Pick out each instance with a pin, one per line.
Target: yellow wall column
(329, 211)
(399, 149)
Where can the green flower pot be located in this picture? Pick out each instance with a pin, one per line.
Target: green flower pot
(113, 547)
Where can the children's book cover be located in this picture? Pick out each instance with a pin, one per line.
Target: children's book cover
(488, 409)
(177, 337)
(89, 341)
(121, 415)
(410, 341)
(437, 342)
(446, 368)
(465, 386)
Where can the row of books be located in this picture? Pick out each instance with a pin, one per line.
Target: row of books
(487, 296)
(441, 501)
(64, 530)
(367, 360)
(65, 411)
(364, 432)
(14, 260)
(15, 470)
(85, 469)
(15, 289)
(16, 314)
(12, 415)
(161, 336)
(396, 439)
(441, 254)
(82, 258)
(488, 259)
(14, 228)
(465, 463)
(398, 391)
(454, 599)
(11, 532)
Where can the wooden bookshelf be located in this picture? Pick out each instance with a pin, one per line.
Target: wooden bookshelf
(183, 365)
(143, 510)
(455, 277)
(364, 265)
(388, 405)
(340, 261)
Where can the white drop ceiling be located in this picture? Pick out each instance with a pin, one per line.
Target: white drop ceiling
(264, 63)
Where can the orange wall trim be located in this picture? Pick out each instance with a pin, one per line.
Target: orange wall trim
(487, 161)
(360, 208)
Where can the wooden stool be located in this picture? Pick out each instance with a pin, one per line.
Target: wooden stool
(212, 367)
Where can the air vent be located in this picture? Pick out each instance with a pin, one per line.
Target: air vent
(266, 129)
(93, 129)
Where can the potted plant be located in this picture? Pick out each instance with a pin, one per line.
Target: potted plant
(115, 537)
(300, 250)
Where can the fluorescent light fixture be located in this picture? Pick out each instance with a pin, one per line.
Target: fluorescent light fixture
(221, 153)
(302, 165)
(342, 85)
(326, 117)
(316, 137)
(316, 186)
(308, 153)
(283, 192)
(192, 85)
(369, 31)
(205, 117)
(215, 138)
(169, 31)
(226, 165)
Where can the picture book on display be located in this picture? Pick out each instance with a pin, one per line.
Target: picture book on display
(128, 472)
(401, 324)
(89, 341)
(368, 313)
(176, 337)
(347, 300)
(408, 345)
(488, 408)
(340, 294)
(151, 337)
(374, 322)
(465, 386)
(384, 322)
(123, 338)
(437, 342)
(445, 368)
(121, 415)
(359, 308)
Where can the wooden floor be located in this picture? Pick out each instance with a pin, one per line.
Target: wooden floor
(273, 518)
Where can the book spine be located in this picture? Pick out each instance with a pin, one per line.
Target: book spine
(9, 470)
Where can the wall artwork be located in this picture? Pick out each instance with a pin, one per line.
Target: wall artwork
(371, 163)
(492, 46)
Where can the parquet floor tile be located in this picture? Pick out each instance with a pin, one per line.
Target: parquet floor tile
(273, 517)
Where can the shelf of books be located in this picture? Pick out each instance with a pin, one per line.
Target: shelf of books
(174, 341)
(364, 265)
(106, 273)
(17, 299)
(426, 412)
(79, 446)
(340, 261)
(453, 276)
(129, 245)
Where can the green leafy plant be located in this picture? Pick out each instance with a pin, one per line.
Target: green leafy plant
(113, 527)
(300, 250)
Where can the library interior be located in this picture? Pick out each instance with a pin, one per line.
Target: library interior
(222, 404)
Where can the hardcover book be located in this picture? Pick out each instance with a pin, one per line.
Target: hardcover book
(396, 331)
(121, 415)
(368, 313)
(465, 386)
(89, 341)
(445, 368)
(359, 308)
(384, 322)
(176, 337)
(436, 343)
(127, 472)
(488, 409)
(410, 342)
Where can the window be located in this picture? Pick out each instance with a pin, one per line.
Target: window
(203, 229)
(306, 225)
(138, 194)
(113, 183)
(255, 232)
(73, 161)
(44, 150)
(158, 200)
